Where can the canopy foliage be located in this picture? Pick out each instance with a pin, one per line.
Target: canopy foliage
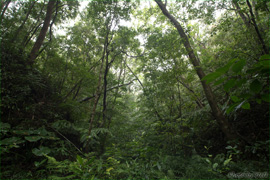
(134, 89)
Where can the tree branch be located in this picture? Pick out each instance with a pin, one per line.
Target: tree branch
(67, 139)
(88, 98)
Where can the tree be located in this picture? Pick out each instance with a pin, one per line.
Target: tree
(221, 119)
(43, 31)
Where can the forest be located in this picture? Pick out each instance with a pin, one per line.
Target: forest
(130, 89)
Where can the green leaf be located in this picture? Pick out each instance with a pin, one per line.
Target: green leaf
(220, 81)
(228, 85)
(256, 86)
(41, 151)
(109, 169)
(215, 166)
(245, 105)
(227, 161)
(224, 69)
(90, 161)
(11, 141)
(211, 77)
(240, 82)
(42, 131)
(38, 164)
(240, 105)
(245, 96)
(235, 99)
(170, 173)
(80, 160)
(228, 147)
(50, 137)
(259, 101)
(237, 67)
(264, 64)
(4, 126)
(218, 73)
(253, 70)
(159, 167)
(265, 57)
(22, 132)
(265, 97)
(232, 107)
(99, 167)
(32, 138)
(207, 160)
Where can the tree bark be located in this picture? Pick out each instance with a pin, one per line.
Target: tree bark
(241, 14)
(105, 91)
(104, 117)
(98, 91)
(220, 118)
(4, 10)
(265, 49)
(255, 10)
(42, 34)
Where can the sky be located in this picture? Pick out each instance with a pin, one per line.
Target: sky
(70, 23)
(83, 4)
(146, 4)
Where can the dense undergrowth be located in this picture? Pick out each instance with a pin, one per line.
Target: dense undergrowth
(80, 110)
(39, 141)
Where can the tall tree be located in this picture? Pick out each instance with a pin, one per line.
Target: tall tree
(43, 31)
(221, 119)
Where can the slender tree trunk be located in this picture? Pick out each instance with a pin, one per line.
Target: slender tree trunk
(29, 36)
(2, 4)
(43, 31)
(4, 10)
(220, 118)
(241, 14)
(98, 90)
(255, 10)
(93, 113)
(104, 117)
(197, 100)
(265, 48)
(77, 92)
(180, 101)
(105, 91)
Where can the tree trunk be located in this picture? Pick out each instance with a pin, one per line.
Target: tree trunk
(4, 10)
(265, 49)
(197, 99)
(254, 3)
(241, 14)
(98, 92)
(105, 91)
(104, 117)
(220, 118)
(43, 31)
